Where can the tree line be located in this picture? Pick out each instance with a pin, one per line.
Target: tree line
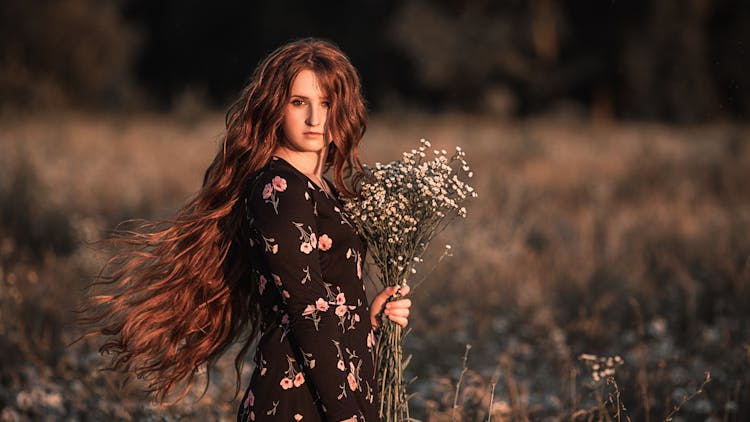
(672, 60)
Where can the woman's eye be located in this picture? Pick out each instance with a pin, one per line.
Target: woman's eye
(326, 104)
(297, 102)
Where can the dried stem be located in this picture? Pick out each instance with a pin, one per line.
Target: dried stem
(492, 396)
(687, 398)
(458, 384)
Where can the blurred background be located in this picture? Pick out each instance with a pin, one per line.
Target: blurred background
(611, 151)
(678, 61)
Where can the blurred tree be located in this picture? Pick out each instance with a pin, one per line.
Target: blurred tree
(729, 56)
(60, 53)
(666, 62)
(216, 45)
(464, 51)
(679, 60)
(456, 49)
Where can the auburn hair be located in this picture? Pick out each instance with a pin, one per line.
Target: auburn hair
(178, 293)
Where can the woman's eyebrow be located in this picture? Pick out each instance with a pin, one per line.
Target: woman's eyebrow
(307, 98)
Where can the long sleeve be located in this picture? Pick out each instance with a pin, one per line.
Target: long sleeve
(283, 212)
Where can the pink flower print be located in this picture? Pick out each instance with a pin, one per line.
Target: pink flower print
(359, 268)
(297, 417)
(356, 317)
(340, 299)
(279, 183)
(250, 400)
(299, 379)
(312, 363)
(325, 243)
(276, 279)
(352, 381)
(321, 304)
(305, 248)
(370, 339)
(341, 310)
(286, 294)
(308, 310)
(285, 319)
(262, 284)
(252, 415)
(313, 240)
(267, 191)
(341, 365)
(286, 383)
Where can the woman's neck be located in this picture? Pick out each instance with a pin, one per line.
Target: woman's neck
(311, 164)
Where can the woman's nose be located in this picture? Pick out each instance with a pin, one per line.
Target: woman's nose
(314, 115)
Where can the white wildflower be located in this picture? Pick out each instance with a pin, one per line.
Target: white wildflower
(403, 205)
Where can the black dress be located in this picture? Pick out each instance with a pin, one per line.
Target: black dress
(315, 358)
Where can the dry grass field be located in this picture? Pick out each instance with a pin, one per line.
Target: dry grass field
(607, 239)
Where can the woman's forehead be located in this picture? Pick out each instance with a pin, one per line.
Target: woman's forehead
(308, 84)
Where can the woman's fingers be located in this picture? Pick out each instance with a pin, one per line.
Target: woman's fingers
(401, 303)
(399, 320)
(386, 293)
(397, 307)
(383, 296)
(392, 290)
(397, 310)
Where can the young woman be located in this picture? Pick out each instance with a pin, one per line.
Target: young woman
(263, 250)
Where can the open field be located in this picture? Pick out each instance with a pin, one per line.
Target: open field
(609, 239)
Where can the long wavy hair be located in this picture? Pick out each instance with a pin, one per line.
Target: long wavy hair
(178, 293)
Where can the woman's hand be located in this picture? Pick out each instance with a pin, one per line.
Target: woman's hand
(397, 310)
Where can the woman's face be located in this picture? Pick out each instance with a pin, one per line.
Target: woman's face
(305, 115)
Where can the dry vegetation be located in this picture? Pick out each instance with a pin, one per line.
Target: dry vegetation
(621, 239)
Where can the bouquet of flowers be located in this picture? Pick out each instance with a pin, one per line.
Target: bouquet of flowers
(403, 206)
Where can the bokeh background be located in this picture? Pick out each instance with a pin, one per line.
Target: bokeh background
(611, 151)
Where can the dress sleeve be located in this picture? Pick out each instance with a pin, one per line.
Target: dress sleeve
(283, 212)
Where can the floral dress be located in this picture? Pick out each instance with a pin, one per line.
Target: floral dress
(315, 357)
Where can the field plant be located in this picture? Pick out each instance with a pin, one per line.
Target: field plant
(404, 204)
